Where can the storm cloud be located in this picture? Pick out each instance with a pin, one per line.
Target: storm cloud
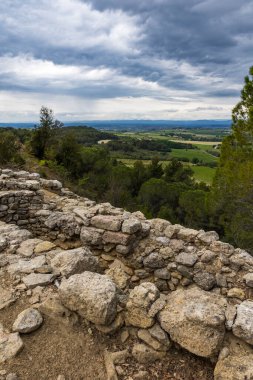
(111, 59)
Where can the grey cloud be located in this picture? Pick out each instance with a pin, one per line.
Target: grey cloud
(198, 46)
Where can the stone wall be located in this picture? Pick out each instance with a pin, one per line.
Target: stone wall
(170, 283)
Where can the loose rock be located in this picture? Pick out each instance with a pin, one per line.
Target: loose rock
(27, 321)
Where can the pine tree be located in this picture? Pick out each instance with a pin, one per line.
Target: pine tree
(232, 195)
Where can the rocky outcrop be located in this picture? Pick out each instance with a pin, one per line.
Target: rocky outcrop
(164, 283)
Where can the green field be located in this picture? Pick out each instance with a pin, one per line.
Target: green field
(201, 154)
(206, 151)
(201, 173)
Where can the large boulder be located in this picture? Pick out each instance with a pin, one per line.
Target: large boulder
(74, 261)
(195, 319)
(91, 295)
(141, 298)
(243, 325)
(235, 361)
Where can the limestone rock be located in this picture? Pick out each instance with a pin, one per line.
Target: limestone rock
(208, 237)
(37, 279)
(146, 337)
(208, 256)
(154, 260)
(123, 249)
(106, 222)
(145, 355)
(243, 325)
(139, 303)
(91, 236)
(159, 334)
(119, 276)
(248, 278)
(91, 295)
(237, 363)
(157, 306)
(27, 266)
(26, 248)
(6, 298)
(44, 246)
(204, 280)
(163, 274)
(64, 222)
(27, 321)
(74, 261)
(159, 225)
(236, 293)
(82, 213)
(187, 259)
(117, 238)
(130, 226)
(10, 345)
(187, 234)
(195, 319)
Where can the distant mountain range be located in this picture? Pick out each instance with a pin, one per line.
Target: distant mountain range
(136, 124)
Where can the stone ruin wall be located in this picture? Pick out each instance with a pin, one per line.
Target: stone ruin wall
(156, 267)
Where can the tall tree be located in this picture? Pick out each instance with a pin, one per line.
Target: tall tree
(44, 132)
(232, 195)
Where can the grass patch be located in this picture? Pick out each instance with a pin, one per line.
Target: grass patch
(200, 154)
(203, 174)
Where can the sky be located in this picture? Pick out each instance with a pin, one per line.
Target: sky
(123, 59)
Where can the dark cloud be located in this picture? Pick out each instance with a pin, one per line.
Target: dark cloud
(156, 48)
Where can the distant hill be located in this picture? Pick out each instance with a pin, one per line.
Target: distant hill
(136, 125)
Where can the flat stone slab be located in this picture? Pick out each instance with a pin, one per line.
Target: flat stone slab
(37, 279)
(106, 222)
(27, 266)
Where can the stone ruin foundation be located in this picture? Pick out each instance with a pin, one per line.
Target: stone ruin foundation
(119, 271)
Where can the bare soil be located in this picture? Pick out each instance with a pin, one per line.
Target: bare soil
(77, 353)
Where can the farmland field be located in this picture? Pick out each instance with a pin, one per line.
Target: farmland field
(202, 152)
(201, 173)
